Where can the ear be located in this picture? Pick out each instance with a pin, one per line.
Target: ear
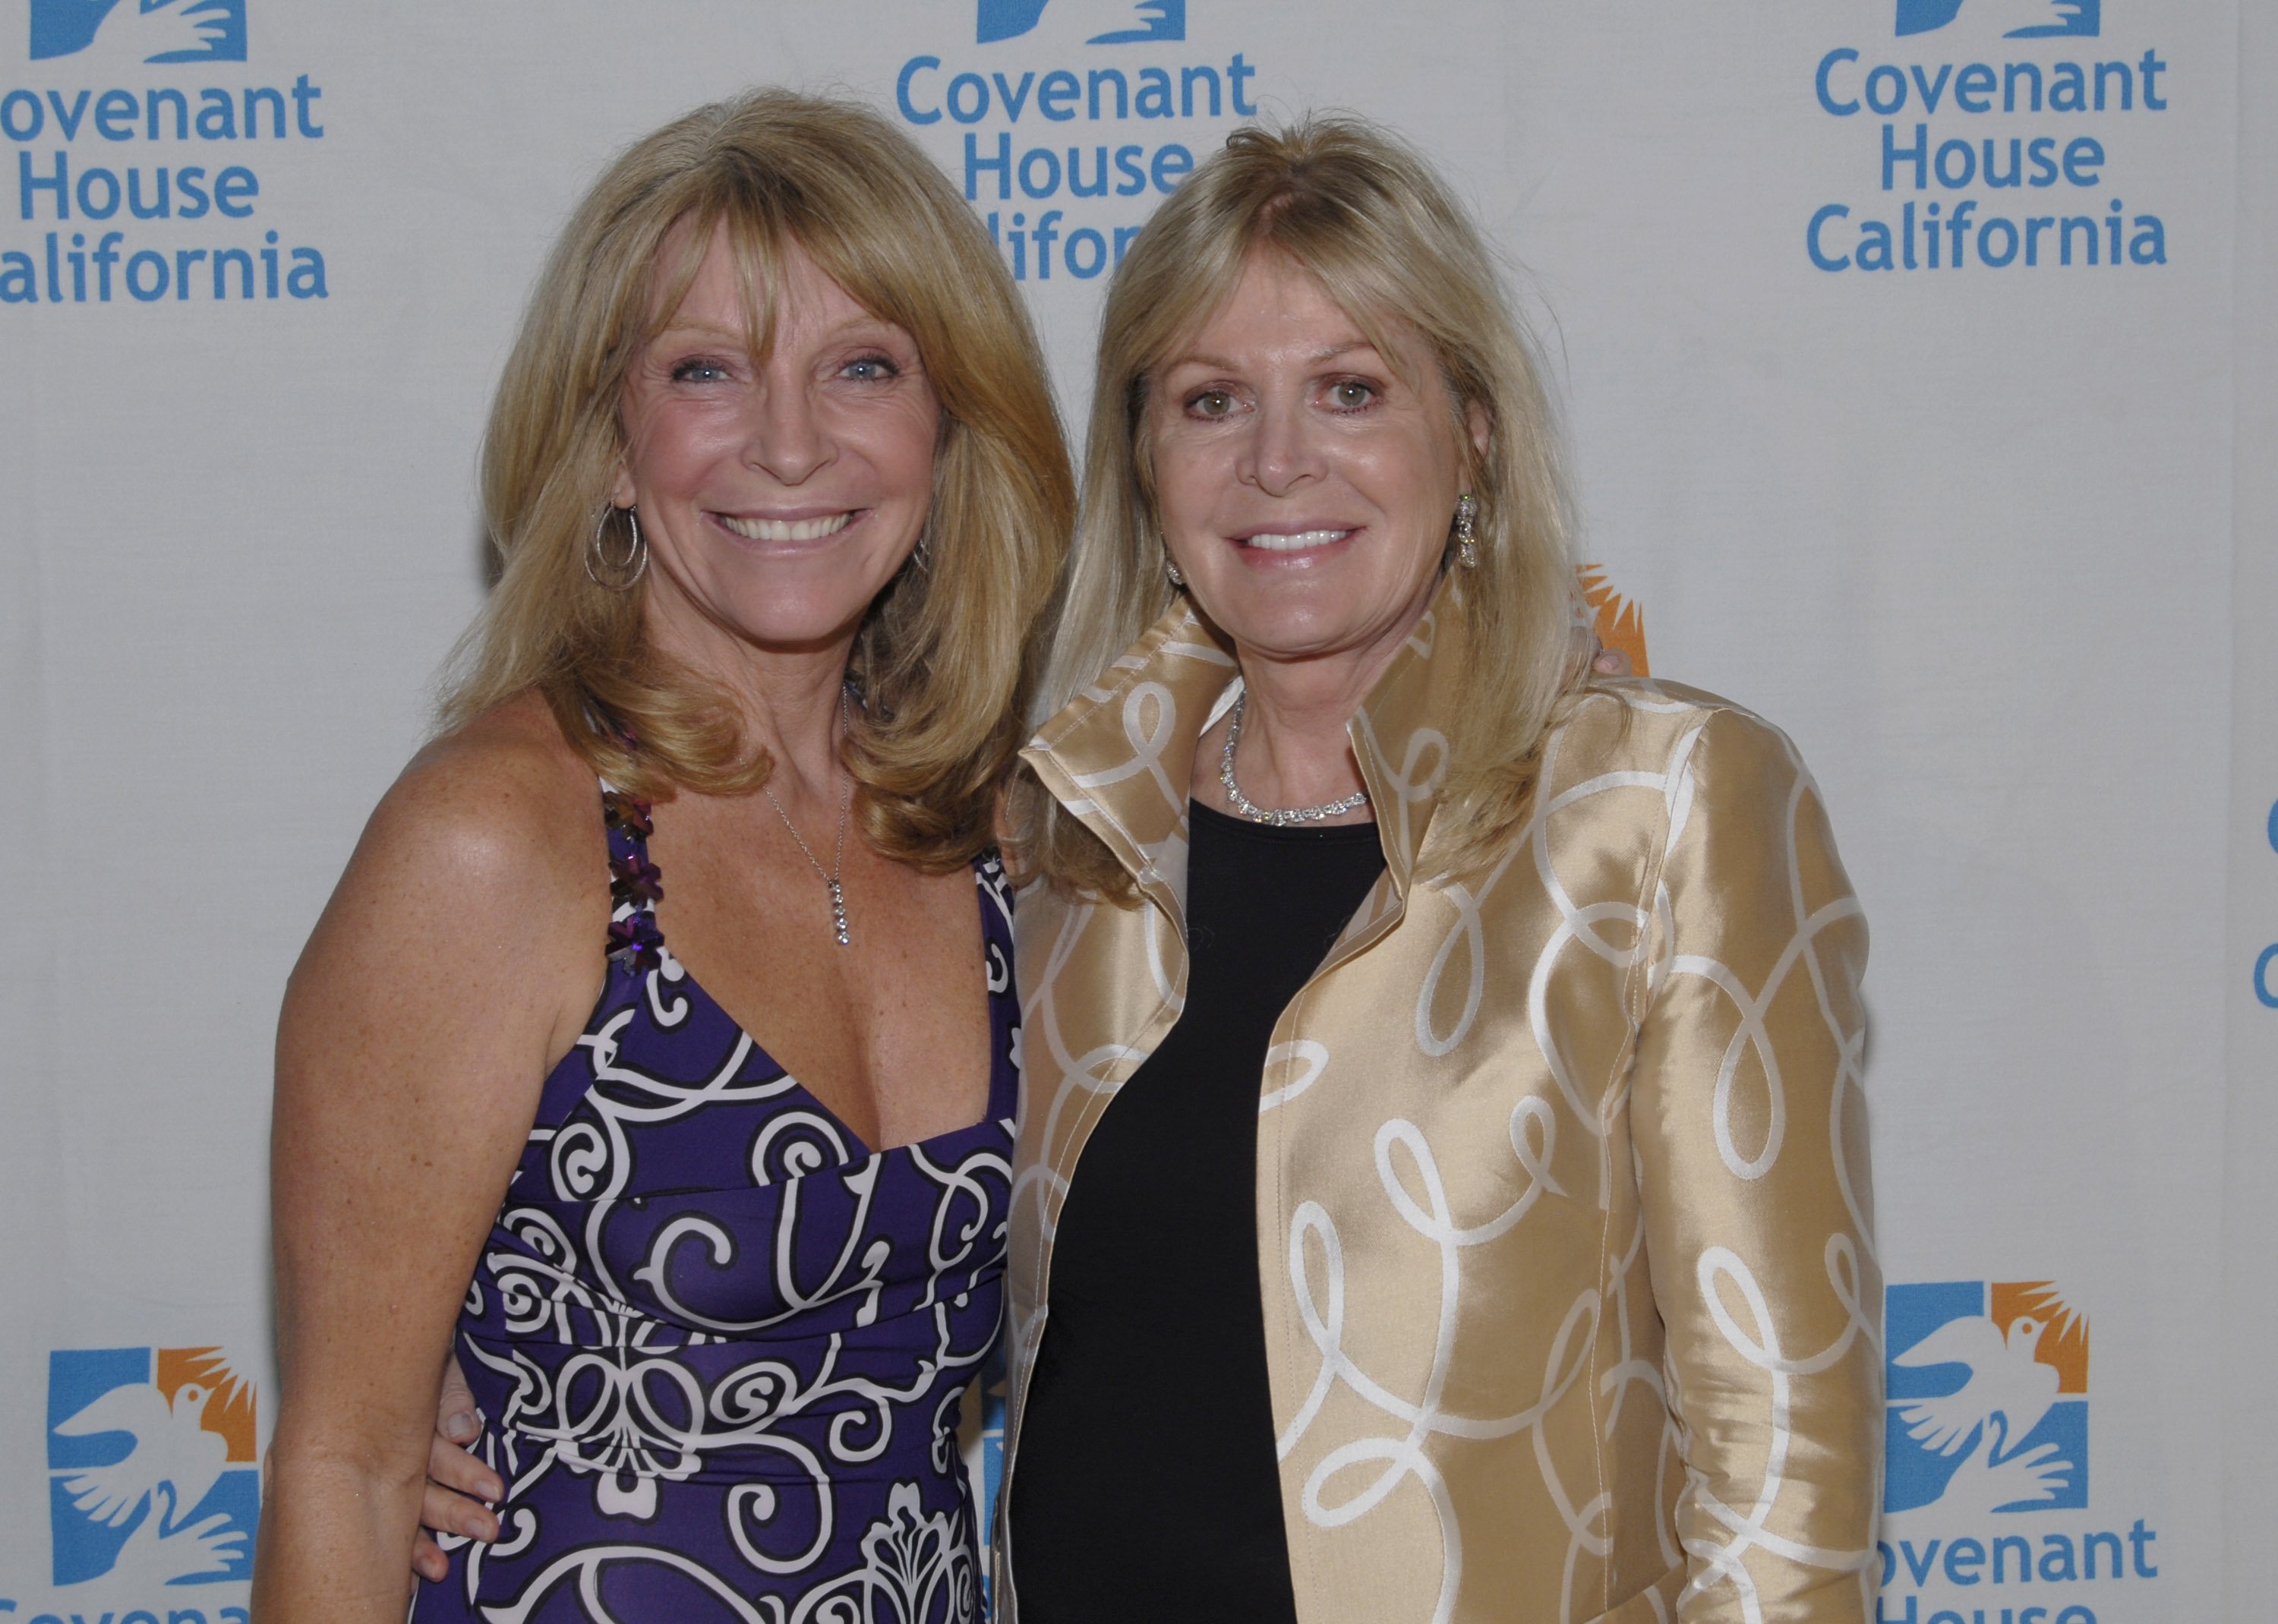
(1481, 428)
(621, 489)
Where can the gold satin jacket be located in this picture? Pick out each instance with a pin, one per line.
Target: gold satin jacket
(1572, 1311)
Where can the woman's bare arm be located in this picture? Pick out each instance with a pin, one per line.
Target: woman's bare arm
(454, 963)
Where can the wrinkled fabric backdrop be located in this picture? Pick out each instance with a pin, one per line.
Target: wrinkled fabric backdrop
(1917, 358)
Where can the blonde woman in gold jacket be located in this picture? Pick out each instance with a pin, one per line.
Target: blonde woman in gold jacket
(1520, 1263)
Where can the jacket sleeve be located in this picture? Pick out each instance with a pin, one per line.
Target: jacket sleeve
(1749, 1128)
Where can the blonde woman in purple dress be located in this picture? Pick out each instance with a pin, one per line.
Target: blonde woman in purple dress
(656, 1054)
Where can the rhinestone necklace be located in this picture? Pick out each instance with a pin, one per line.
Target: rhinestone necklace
(829, 877)
(1282, 817)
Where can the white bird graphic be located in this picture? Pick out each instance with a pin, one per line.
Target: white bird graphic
(171, 1448)
(2006, 1386)
(130, 34)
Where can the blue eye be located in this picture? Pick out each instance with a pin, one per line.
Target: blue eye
(870, 370)
(698, 369)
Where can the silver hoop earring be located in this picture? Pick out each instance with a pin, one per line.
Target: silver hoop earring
(921, 554)
(1467, 546)
(1171, 570)
(622, 574)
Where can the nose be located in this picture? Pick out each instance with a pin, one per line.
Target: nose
(786, 438)
(1280, 455)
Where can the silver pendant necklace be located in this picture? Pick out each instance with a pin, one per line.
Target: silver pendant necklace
(830, 877)
(1283, 817)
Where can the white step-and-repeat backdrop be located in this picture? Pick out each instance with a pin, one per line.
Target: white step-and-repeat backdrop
(1919, 360)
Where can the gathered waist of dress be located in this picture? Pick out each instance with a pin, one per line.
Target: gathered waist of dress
(559, 1317)
(781, 1460)
(659, 1411)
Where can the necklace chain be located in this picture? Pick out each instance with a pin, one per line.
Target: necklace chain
(831, 876)
(1282, 817)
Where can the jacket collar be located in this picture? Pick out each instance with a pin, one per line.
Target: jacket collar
(1120, 755)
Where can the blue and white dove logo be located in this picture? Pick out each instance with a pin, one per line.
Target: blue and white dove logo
(109, 34)
(1988, 1398)
(1093, 22)
(149, 1480)
(2010, 19)
(173, 1457)
(1987, 1420)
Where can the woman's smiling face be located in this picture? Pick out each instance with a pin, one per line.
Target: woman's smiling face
(778, 494)
(1305, 481)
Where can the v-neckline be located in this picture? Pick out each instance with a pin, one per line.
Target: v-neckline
(690, 987)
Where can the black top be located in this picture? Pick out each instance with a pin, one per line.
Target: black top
(1146, 1487)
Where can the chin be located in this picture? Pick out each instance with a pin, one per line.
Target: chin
(791, 610)
(1292, 636)
(801, 631)
(1296, 628)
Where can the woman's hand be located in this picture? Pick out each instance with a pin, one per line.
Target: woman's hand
(458, 1484)
(1587, 654)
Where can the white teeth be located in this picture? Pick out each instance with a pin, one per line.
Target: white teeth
(1297, 543)
(787, 529)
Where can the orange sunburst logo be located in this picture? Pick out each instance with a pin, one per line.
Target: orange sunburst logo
(228, 1409)
(2063, 1345)
(1618, 621)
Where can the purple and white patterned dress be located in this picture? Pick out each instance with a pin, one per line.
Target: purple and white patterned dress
(719, 1346)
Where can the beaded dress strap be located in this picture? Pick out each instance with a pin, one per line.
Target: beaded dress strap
(635, 886)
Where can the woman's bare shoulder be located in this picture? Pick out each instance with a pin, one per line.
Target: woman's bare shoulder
(501, 799)
(497, 821)
(464, 942)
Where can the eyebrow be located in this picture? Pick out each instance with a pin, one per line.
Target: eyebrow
(700, 329)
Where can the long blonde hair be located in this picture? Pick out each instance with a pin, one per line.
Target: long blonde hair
(943, 658)
(1366, 217)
